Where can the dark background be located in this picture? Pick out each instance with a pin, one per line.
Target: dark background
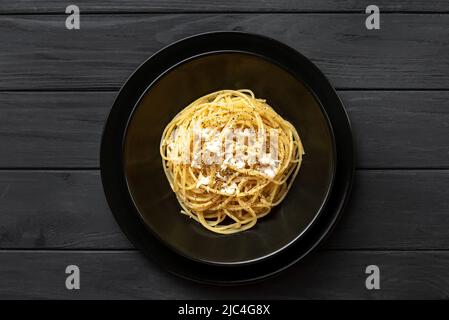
(57, 87)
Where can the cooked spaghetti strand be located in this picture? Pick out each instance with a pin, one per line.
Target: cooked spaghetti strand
(230, 195)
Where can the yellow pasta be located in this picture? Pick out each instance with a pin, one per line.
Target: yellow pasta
(229, 195)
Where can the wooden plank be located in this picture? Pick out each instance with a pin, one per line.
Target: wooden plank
(394, 129)
(399, 129)
(52, 129)
(127, 275)
(56, 209)
(32, 6)
(388, 209)
(396, 209)
(409, 51)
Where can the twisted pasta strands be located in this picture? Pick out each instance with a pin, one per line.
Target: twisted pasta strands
(229, 195)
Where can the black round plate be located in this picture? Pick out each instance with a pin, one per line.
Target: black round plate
(139, 195)
(151, 192)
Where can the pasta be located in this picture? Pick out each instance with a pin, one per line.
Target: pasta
(230, 158)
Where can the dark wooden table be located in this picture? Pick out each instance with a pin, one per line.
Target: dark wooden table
(57, 86)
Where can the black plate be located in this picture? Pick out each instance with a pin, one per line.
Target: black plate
(152, 194)
(139, 195)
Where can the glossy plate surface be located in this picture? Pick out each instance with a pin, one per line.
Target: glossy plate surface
(136, 187)
(152, 194)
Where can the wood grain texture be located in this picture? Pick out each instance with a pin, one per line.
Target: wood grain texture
(388, 209)
(396, 209)
(399, 128)
(33, 6)
(56, 209)
(409, 51)
(52, 129)
(128, 275)
(392, 129)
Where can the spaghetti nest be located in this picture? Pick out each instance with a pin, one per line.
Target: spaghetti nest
(223, 191)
